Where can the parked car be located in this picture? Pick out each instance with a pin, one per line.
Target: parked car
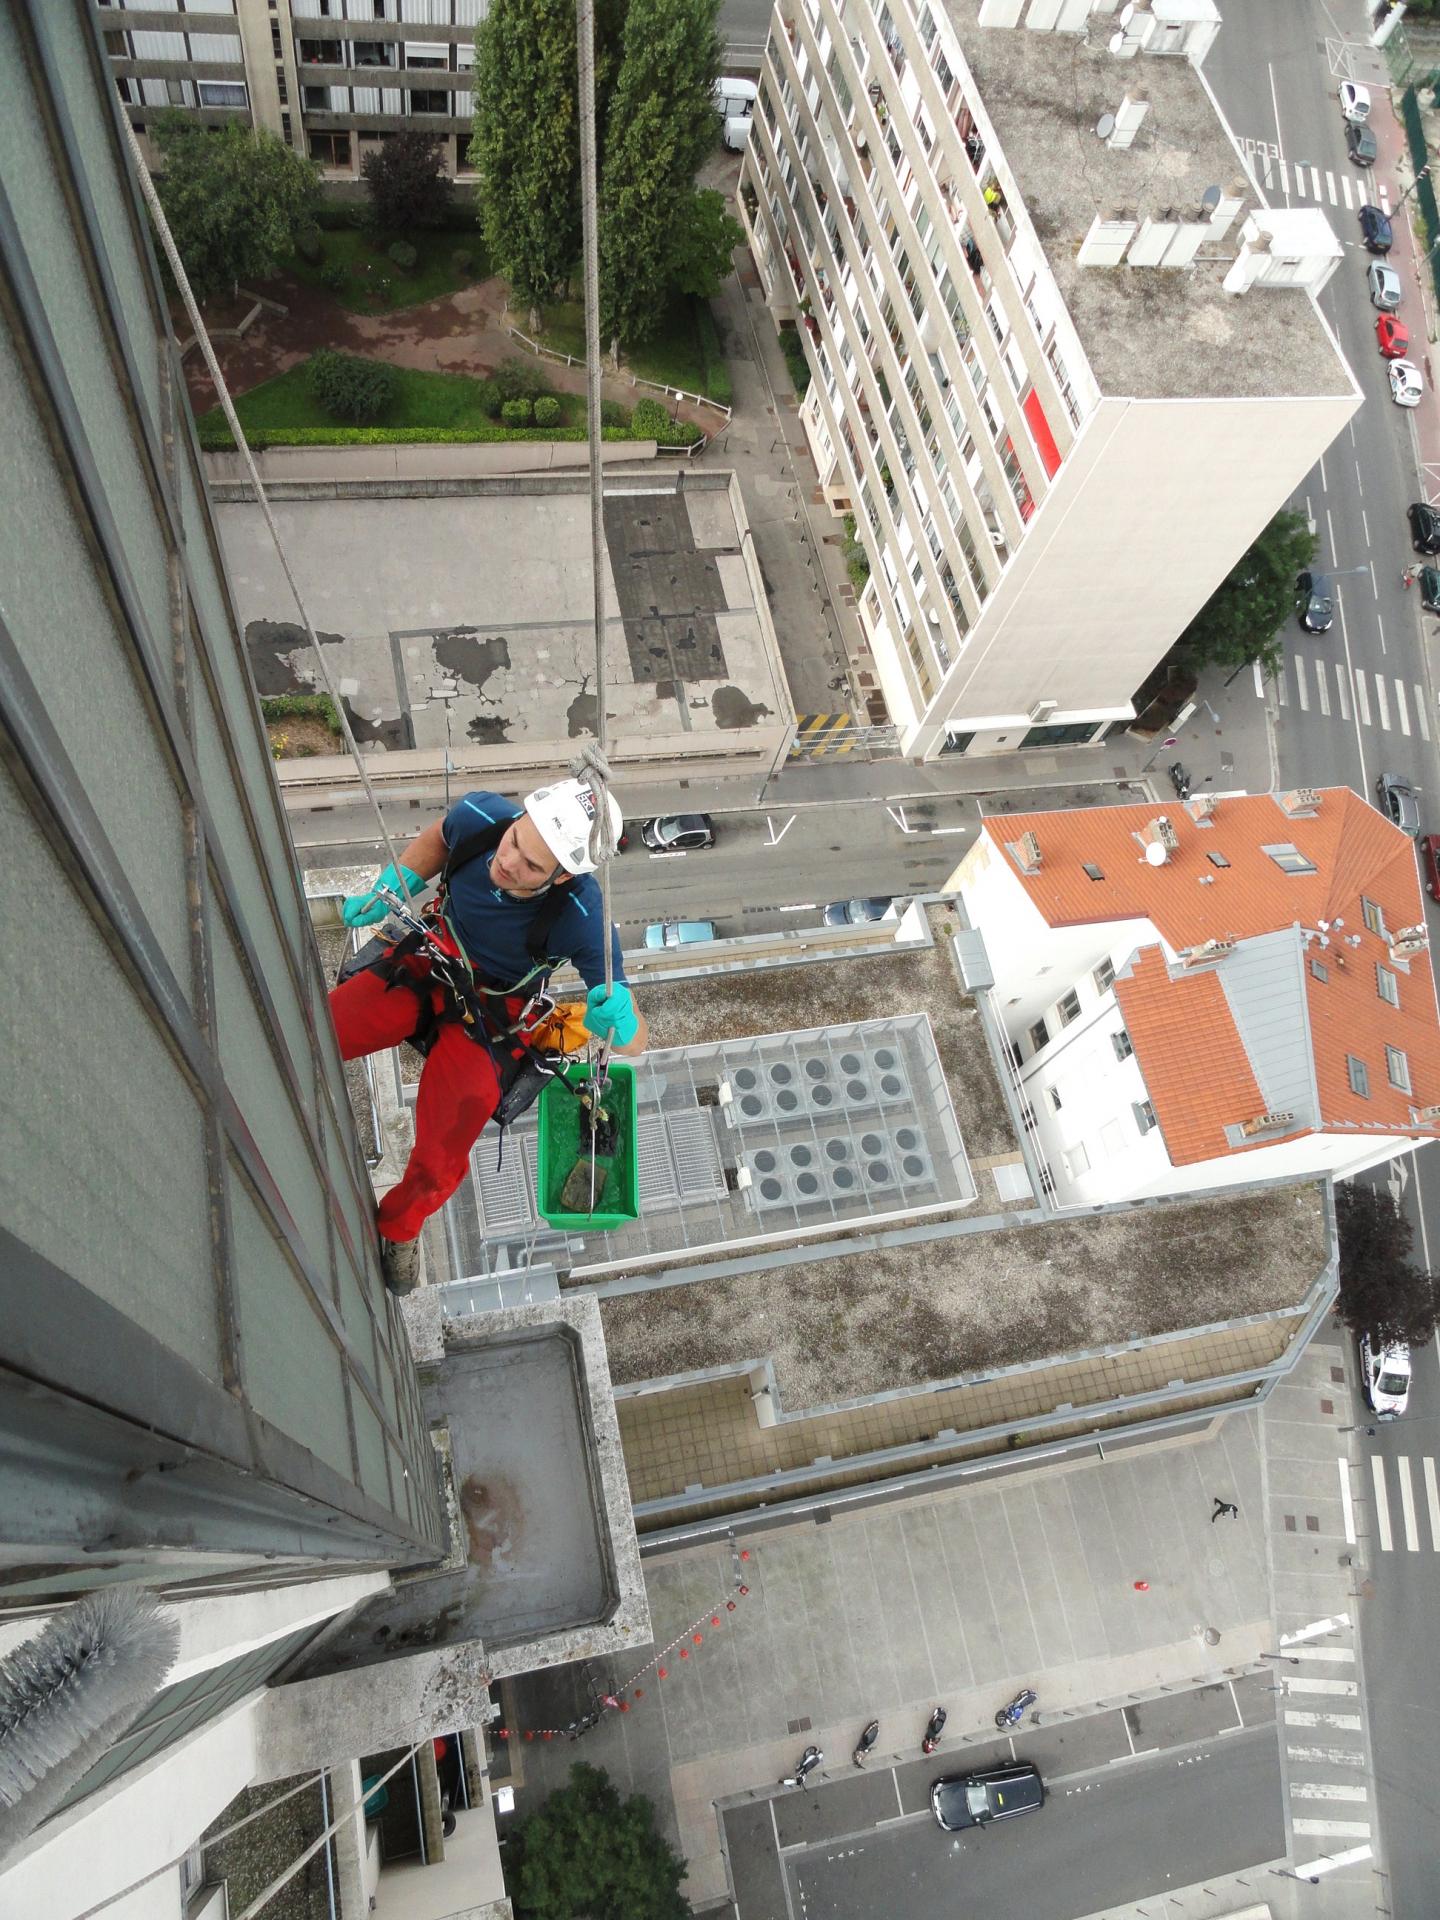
(1361, 145)
(735, 104)
(858, 913)
(1406, 386)
(1354, 100)
(1428, 579)
(1399, 802)
(679, 933)
(1385, 1378)
(1392, 336)
(961, 1800)
(1384, 285)
(1315, 601)
(678, 832)
(1430, 863)
(1375, 229)
(1424, 526)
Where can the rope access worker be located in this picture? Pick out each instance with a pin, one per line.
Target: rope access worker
(518, 898)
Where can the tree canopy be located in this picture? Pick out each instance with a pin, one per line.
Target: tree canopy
(235, 199)
(1381, 1292)
(588, 1852)
(407, 183)
(1240, 621)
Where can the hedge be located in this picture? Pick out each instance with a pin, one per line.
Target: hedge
(215, 437)
(300, 706)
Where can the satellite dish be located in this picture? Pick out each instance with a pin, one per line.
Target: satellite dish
(1127, 14)
(1211, 199)
(1105, 126)
(1155, 854)
(1117, 41)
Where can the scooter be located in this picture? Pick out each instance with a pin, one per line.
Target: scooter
(865, 1743)
(1012, 1715)
(1179, 778)
(807, 1763)
(933, 1731)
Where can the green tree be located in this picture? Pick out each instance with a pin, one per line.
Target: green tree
(704, 238)
(1241, 619)
(588, 1853)
(236, 200)
(1381, 1292)
(526, 144)
(661, 126)
(407, 183)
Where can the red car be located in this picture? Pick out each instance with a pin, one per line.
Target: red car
(1392, 337)
(1430, 863)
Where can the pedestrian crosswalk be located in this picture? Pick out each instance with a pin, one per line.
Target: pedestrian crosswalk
(1386, 701)
(1301, 179)
(1403, 1497)
(1324, 1736)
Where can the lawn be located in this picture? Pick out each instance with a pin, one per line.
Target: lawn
(675, 354)
(370, 268)
(424, 401)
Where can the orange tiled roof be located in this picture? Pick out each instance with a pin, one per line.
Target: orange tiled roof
(1356, 853)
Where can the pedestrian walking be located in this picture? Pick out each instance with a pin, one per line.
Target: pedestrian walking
(1407, 577)
(1224, 1506)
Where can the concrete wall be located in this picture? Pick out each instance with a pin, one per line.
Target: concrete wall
(467, 1878)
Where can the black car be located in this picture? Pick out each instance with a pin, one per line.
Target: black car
(1315, 601)
(1375, 230)
(1362, 144)
(678, 833)
(1428, 580)
(1424, 526)
(962, 1800)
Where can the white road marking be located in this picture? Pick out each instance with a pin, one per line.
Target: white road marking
(1342, 690)
(1260, 681)
(1329, 1862)
(1341, 1722)
(1347, 1504)
(1407, 1504)
(1364, 521)
(1300, 684)
(1362, 696)
(1379, 623)
(1402, 708)
(1384, 199)
(1316, 1630)
(1322, 687)
(1280, 694)
(1345, 189)
(1432, 1501)
(1343, 1829)
(1382, 700)
(1330, 187)
(1420, 714)
(1285, 178)
(1308, 1683)
(1336, 1655)
(1328, 1756)
(1323, 1790)
(1382, 1504)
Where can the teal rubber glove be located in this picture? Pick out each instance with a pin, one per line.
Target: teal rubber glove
(366, 909)
(612, 1016)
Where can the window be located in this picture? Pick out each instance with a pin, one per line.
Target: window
(1359, 1077)
(1290, 859)
(1104, 976)
(1144, 1115)
(330, 149)
(1069, 1008)
(1027, 1117)
(435, 101)
(1374, 916)
(1077, 1159)
(1397, 1067)
(1052, 1094)
(1094, 872)
(223, 93)
(1319, 969)
(1039, 1034)
(1387, 986)
(1122, 1044)
(1217, 859)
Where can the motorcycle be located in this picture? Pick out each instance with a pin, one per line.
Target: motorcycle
(1179, 779)
(1012, 1715)
(807, 1763)
(865, 1743)
(934, 1728)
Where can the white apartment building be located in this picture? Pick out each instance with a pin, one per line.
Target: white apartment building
(1234, 990)
(331, 77)
(1067, 364)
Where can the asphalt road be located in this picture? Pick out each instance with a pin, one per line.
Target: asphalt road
(743, 26)
(1272, 75)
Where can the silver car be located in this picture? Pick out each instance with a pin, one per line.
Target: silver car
(1384, 285)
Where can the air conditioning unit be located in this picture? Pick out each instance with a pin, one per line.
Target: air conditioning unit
(1042, 710)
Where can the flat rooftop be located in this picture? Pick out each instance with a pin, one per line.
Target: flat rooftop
(1151, 332)
(489, 591)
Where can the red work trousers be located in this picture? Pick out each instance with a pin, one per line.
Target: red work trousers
(459, 1091)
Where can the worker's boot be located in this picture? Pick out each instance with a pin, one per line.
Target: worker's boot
(400, 1264)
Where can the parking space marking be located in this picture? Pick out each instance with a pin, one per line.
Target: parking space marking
(1382, 1504)
(1402, 708)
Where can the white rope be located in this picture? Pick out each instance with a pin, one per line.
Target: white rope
(227, 406)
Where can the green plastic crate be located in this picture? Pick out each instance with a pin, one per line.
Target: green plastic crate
(564, 1138)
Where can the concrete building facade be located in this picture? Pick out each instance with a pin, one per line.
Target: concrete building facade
(333, 78)
(1014, 242)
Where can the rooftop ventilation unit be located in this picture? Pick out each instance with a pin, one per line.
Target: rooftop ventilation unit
(1026, 851)
(1042, 710)
(1300, 803)
(1201, 809)
(1267, 1123)
(818, 1085)
(843, 1167)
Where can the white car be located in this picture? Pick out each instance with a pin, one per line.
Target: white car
(1354, 102)
(1406, 386)
(1385, 1378)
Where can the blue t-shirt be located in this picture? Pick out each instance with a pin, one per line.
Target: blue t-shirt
(492, 924)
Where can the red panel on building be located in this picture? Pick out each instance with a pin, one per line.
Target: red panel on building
(1040, 430)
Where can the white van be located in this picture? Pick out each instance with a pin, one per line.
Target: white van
(735, 102)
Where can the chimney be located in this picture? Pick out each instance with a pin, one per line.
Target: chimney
(1201, 809)
(1025, 852)
(1266, 1123)
(1408, 942)
(1426, 1116)
(1207, 952)
(1301, 803)
(1160, 834)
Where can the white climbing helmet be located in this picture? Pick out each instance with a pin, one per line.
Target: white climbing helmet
(563, 815)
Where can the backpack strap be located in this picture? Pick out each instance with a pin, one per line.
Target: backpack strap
(547, 912)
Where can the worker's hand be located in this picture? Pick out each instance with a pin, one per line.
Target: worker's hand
(366, 909)
(612, 1016)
